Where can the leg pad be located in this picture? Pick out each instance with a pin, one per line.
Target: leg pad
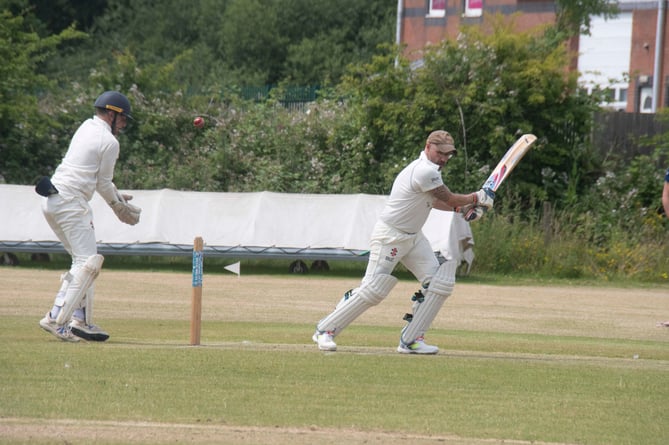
(425, 311)
(81, 281)
(370, 293)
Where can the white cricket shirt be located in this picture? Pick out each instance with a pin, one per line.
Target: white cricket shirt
(410, 200)
(89, 162)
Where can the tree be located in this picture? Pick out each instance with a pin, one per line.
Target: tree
(54, 16)
(573, 16)
(331, 36)
(27, 144)
(237, 42)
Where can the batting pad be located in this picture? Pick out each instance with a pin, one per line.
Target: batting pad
(440, 288)
(81, 281)
(370, 293)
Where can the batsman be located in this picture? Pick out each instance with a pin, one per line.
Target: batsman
(397, 238)
(87, 167)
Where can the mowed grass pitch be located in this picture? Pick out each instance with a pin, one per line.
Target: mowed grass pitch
(531, 364)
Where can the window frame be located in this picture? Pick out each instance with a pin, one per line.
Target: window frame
(438, 11)
(472, 8)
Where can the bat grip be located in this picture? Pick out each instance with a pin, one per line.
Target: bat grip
(489, 192)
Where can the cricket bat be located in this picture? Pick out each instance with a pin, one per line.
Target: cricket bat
(508, 162)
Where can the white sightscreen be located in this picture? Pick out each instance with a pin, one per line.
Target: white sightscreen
(263, 220)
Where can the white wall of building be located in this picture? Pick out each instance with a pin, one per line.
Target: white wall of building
(604, 57)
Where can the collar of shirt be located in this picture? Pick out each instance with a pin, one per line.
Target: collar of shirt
(99, 120)
(423, 156)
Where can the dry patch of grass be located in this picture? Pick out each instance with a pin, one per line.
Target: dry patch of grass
(37, 431)
(574, 310)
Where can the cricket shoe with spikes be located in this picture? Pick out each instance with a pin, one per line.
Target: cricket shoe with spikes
(60, 332)
(417, 347)
(325, 341)
(88, 332)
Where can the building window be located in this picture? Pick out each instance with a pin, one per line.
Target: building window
(473, 8)
(623, 95)
(437, 8)
(646, 100)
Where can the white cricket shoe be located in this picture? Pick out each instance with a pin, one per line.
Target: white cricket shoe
(61, 332)
(88, 332)
(325, 341)
(417, 347)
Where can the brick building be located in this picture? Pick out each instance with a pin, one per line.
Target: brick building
(620, 54)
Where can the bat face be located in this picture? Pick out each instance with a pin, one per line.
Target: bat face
(509, 161)
(495, 179)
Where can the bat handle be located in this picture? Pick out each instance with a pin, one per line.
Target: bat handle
(490, 192)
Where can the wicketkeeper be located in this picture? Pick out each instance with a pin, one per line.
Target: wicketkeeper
(397, 238)
(88, 166)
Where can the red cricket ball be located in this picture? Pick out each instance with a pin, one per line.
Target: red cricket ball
(198, 122)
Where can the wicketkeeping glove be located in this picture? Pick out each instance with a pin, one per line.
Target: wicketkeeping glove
(125, 212)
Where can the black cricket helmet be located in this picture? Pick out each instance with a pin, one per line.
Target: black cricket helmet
(115, 101)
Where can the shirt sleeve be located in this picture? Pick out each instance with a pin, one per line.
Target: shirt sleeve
(666, 176)
(427, 178)
(105, 185)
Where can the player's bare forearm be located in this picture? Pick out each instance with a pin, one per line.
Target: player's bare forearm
(440, 205)
(447, 200)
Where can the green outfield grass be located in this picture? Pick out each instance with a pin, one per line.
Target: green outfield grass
(534, 388)
(486, 386)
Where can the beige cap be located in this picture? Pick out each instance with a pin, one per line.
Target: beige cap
(441, 137)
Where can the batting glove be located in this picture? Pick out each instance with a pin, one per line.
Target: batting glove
(484, 198)
(471, 212)
(475, 213)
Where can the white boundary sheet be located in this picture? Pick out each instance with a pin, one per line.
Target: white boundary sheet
(263, 224)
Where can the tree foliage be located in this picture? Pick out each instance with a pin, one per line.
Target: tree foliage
(486, 89)
(237, 42)
(372, 117)
(27, 131)
(574, 16)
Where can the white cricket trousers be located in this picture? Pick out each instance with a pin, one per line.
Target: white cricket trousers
(389, 246)
(71, 220)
